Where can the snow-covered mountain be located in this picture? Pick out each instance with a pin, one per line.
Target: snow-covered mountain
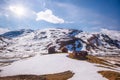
(111, 33)
(25, 43)
(3, 30)
(12, 34)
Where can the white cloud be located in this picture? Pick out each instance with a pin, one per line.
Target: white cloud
(48, 16)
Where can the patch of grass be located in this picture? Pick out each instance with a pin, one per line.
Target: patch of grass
(110, 75)
(78, 57)
(58, 76)
(106, 67)
(94, 59)
(71, 56)
(90, 58)
(23, 77)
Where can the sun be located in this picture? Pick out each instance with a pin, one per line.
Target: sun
(17, 10)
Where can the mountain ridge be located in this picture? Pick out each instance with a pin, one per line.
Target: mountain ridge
(55, 39)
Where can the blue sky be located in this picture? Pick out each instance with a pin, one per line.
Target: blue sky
(87, 15)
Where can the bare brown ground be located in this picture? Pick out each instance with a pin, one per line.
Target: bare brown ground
(58, 76)
(110, 75)
(115, 60)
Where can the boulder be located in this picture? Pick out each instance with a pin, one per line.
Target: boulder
(51, 50)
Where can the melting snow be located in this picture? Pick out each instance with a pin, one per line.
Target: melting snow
(53, 63)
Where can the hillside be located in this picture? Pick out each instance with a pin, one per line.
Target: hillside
(25, 43)
(35, 53)
(54, 63)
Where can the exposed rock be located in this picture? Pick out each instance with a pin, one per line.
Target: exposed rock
(111, 41)
(75, 42)
(64, 49)
(92, 42)
(51, 50)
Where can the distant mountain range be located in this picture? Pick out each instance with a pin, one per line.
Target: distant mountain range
(26, 42)
(3, 30)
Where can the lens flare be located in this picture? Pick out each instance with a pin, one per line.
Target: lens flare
(17, 10)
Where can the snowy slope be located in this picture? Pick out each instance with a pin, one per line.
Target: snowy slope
(33, 44)
(100, 43)
(4, 42)
(16, 33)
(3, 30)
(54, 63)
(111, 33)
(29, 43)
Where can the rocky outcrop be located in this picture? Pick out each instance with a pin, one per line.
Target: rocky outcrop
(66, 44)
(69, 41)
(93, 42)
(110, 41)
(51, 50)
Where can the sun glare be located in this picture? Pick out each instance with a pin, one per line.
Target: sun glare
(17, 10)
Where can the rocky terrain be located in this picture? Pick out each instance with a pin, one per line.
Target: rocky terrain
(26, 47)
(25, 43)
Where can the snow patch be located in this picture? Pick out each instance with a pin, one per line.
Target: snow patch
(54, 63)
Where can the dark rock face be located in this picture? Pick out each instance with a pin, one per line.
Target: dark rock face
(74, 42)
(110, 41)
(51, 50)
(66, 44)
(94, 40)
